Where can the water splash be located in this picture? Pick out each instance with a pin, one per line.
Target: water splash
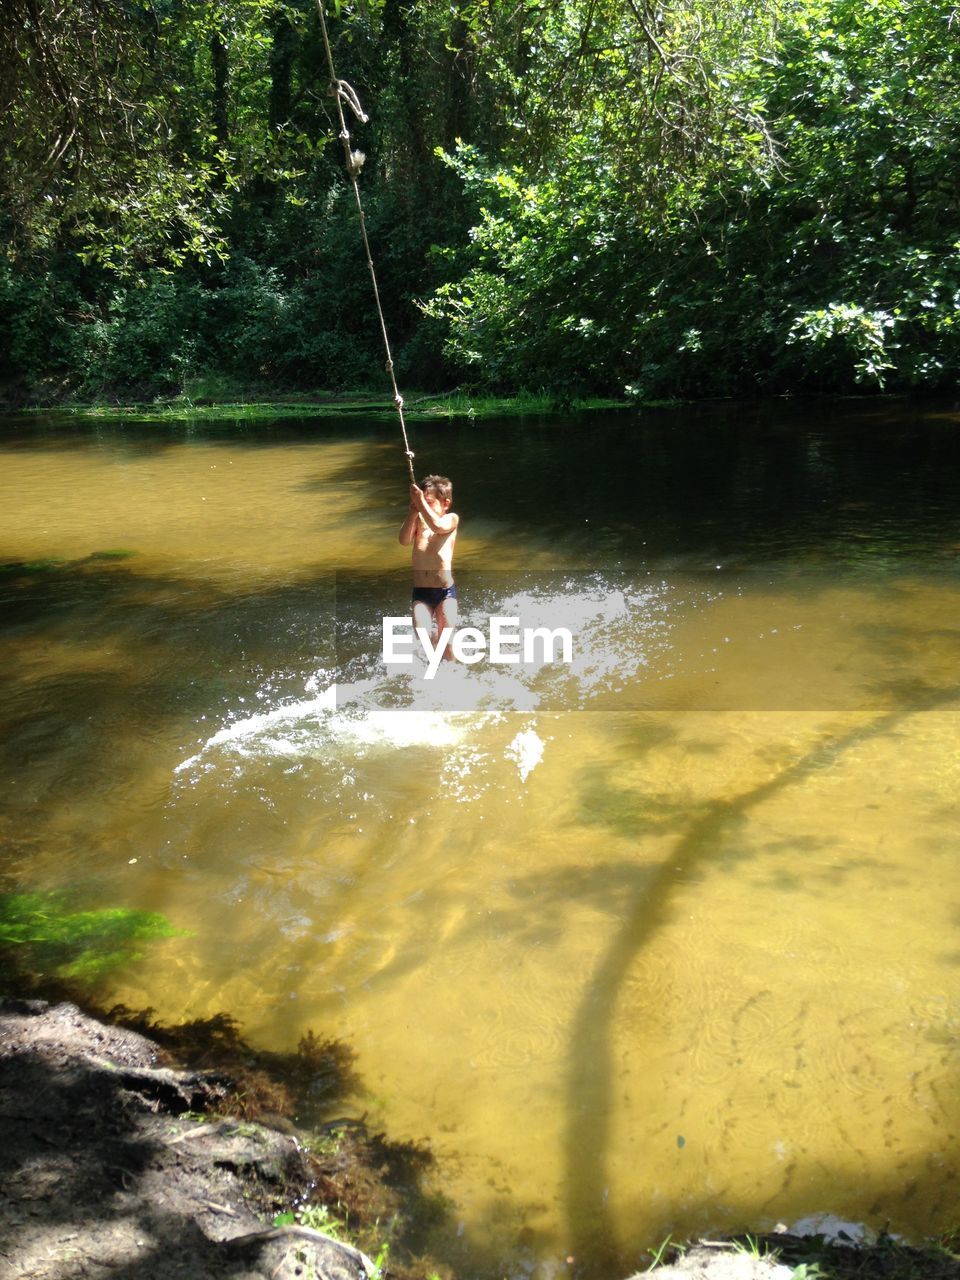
(527, 750)
(303, 727)
(363, 706)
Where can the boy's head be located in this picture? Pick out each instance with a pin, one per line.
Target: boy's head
(438, 487)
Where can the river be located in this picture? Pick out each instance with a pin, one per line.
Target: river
(662, 940)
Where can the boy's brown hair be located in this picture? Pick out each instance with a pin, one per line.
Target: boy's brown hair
(439, 485)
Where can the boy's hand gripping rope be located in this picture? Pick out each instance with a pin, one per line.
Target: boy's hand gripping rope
(341, 92)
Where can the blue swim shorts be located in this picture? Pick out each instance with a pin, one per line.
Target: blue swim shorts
(434, 596)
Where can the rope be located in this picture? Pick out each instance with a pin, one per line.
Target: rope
(343, 93)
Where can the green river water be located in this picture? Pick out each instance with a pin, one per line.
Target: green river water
(662, 941)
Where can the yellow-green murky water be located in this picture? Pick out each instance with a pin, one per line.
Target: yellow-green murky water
(673, 948)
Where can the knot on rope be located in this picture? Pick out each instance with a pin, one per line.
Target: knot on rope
(346, 93)
(408, 455)
(389, 365)
(398, 400)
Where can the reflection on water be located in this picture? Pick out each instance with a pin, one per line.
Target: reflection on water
(665, 946)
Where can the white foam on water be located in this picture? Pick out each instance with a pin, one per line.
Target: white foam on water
(614, 632)
(325, 719)
(402, 728)
(527, 750)
(240, 731)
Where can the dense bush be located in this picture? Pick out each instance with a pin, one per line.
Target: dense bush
(309, 323)
(833, 265)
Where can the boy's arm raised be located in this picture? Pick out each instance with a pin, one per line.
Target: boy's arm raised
(409, 527)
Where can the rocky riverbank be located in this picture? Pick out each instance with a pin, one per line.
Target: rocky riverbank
(115, 1163)
(782, 1256)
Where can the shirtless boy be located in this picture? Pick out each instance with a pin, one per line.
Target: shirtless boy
(432, 529)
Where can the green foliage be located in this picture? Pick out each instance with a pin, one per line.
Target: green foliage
(319, 1218)
(583, 198)
(174, 199)
(821, 254)
(531, 311)
(851, 334)
(143, 337)
(315, 1216)
(41, 935)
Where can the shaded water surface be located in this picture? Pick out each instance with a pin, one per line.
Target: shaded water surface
(665, 942)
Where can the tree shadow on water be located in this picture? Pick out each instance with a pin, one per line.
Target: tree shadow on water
(99, 660)
(592, 1064)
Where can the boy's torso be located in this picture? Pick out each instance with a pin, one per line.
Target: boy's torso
(433, 557)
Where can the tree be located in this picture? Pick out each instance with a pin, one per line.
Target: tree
(728, 213)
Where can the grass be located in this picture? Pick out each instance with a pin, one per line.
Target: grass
(460, 404)
(319, 1218)
(750, 1245)
(181, 410)
(217, 400)
(657, 1255)
(323, 1145)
